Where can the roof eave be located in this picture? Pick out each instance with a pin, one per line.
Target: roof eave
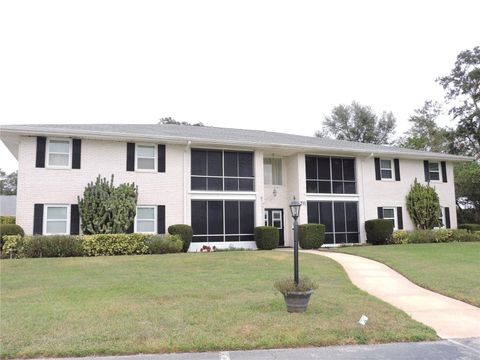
(14, 131)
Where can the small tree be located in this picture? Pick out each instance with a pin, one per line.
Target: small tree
(106, 209)
(423, 206)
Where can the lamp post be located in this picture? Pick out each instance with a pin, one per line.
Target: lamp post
(295, 210)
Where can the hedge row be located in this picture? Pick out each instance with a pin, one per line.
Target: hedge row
(310, 236)
(90, 245)
(470, 227)
(433, 236)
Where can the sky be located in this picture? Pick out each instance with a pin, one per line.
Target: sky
(269, 65)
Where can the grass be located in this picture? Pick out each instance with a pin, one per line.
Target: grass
(183, 302)
(452, 269)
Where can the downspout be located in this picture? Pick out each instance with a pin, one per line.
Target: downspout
(186, 196)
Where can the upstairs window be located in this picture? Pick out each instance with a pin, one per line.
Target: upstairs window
(146, 157)
(59, 153)
(434, 170)
(327, 175)
(272, 171)
(219, 170)
(386, 169)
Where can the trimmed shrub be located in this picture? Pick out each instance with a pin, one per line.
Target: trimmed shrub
(423, 206)
(185, 232)
(470, 227)
(38, 246)
(7, 219)
(164, 244)
(399, 237)
(266, 237)
(378, 231)
(466, 236)
(11, 245)
(10, 229)
(311, 236)
(421, 236)
(115, 244)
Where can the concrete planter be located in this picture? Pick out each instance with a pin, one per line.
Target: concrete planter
(297, 302)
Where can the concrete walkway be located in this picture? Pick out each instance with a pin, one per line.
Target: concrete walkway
(450, 318)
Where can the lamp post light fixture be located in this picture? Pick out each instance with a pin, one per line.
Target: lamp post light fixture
(295, 210)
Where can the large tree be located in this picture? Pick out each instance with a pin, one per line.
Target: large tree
(467, 189)
(8, 183)
(462, 92)
(359, 123)
(425, 134)
(171, 121)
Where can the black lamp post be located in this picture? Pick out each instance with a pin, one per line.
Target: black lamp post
(295, 209)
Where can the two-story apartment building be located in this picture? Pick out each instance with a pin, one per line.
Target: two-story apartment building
(223, 182)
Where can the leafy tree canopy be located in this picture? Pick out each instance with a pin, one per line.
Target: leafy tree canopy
(171, 121)
(359, 123)
(8, 183)
(462, 92)
(425, 134)
(467, 187)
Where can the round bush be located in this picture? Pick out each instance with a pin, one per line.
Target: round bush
(311, 236)
(10, 229)
(185, 232)
(266, 237)
(379, 231)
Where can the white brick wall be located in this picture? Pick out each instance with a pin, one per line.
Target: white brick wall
(393, 193)
(172, 188)
(43, 185)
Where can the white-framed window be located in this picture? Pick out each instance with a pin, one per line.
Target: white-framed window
(265, 217)
(441, 217)
(386, 169)
(272, 171)
(56, 219)
(145, 157)
(59, 153)
(390, 214)
(146, 220)
(434, 170)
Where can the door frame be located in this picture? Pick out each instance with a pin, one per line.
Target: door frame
(268, 219)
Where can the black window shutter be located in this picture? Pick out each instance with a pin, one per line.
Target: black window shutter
(130, 228)
(161, 219)
(131, 157)
(76, 153)
(38, 219)
(426, 169)
(447, 217)
(444, 171)
(380, 212)
(161, 158)
(399, 218)
(396, 163)
(74, 220)
(377, 169)
(41, 147)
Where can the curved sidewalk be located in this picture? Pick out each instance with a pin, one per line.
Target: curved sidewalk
(450, 318)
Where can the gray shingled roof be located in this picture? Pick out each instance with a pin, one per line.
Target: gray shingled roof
(208, 134)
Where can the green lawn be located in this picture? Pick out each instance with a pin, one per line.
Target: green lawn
(183, 302)
(452, 269)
